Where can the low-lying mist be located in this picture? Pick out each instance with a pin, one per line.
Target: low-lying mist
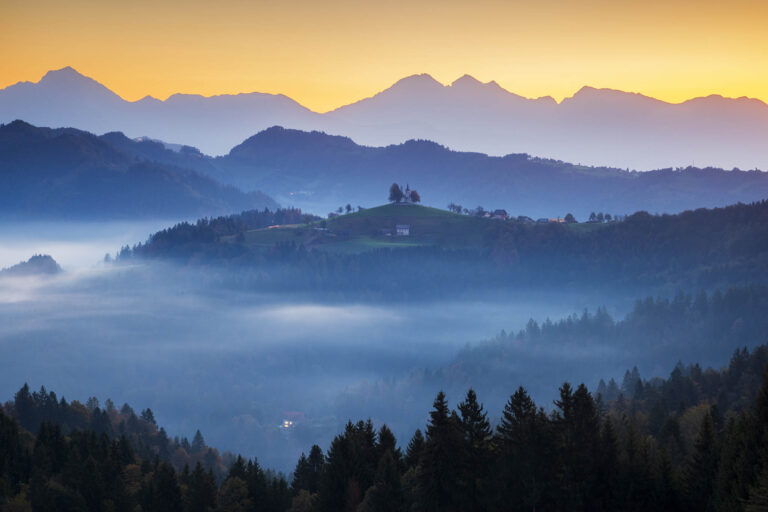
(75, 245)
(204, 348)
(236, 364)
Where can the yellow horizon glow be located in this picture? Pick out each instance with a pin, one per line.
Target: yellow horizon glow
(325, 55)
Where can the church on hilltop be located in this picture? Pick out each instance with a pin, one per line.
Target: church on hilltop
(403, 197)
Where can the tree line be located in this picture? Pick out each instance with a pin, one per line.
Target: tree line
(723, 324)
(69, 456)
(655, 329)
(585, 453)
(189, 238)
(696, 249)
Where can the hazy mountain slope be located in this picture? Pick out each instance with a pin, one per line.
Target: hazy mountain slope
(319, 172)
(594, 126)
(214, 124)
(67, 173)
(66, 98)
(144, 149)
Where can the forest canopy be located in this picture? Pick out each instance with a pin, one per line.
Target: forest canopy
(688, 443)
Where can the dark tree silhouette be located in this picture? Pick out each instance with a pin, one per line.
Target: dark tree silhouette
(395, 193)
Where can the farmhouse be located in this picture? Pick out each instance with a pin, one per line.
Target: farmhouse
(403, 230)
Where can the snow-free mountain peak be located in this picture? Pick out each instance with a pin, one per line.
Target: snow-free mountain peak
(596, 126)
(467, 81)
(65, 73)
(69, 80)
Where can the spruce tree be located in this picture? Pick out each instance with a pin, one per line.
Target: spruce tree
(701, 468)
(386, 494)
(198, 443)
(476, 433)
(256, 482)
(524, 438)
(233, 496)
(200, 495)
(439, 471)
(584, 452)
(316, 462)
(165, 492)
(606, 468)
(414, 450)
(336, 475)
(301, 475)
(385, 441)
(667, 491)
(238, 470)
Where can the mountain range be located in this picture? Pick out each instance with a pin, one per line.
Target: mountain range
(319, 172)
(66, 173)
(594, 126)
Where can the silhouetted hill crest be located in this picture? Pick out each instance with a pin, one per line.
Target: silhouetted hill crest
(37, 265)
(318, 172)
(277, 138)
(68, 173)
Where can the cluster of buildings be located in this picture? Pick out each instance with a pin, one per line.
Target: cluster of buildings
(503, 215)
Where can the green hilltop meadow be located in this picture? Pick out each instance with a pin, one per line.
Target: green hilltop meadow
(377, 227)
(287, 249)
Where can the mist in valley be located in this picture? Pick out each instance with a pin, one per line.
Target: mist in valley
(237, 363)
(74, 245)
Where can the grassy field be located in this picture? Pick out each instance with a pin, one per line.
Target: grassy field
(374, 228)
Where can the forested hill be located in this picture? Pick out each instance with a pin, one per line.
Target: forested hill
(705, 328)
(37, 265)
(690, 443)
(318, 172)
(70, 174)
(75, 457)
(695, 249)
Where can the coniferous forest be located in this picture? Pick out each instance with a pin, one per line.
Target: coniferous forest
(698, 249)
(695, 441)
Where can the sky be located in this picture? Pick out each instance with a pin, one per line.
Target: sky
(326, 54)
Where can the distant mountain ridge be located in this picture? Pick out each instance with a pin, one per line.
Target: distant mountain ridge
(594, 126)
(319, 172)
(66, 173)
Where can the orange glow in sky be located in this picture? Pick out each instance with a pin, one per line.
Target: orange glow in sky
(325, 54)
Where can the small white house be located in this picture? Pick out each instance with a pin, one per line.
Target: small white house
(403, 230)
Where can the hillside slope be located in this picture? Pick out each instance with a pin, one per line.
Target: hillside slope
(37, 265)
(67, 173)
(361, 252)
(319, 172)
